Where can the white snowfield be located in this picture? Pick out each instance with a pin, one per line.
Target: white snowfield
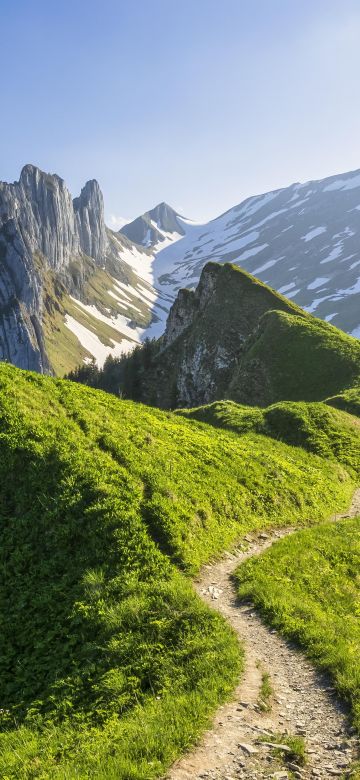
(91, 342)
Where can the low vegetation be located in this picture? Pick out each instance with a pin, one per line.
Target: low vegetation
(110, 665)
(297, 358)
(308, 586)
(348, 400)
(265, 692)
(314, 427)
(291, 747)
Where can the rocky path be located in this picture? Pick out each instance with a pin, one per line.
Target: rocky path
(303, 701)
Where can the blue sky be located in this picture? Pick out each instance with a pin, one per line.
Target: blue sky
(197, 102)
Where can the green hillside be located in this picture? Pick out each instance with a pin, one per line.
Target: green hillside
(315, 427)
(293, 357)
(349, 400)
(314, 597)
(234, 337)
(110, 665)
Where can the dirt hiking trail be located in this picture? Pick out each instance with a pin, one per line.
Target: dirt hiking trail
(303, 702)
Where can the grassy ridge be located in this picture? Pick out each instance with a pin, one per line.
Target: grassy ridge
(109, 664)
(308, 586)
(297, 358)
(313, 426)
(348, 400)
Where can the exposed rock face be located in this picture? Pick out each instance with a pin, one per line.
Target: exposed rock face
(188, 304)
(206, 332)
(50, 222)
(21, 340)
(89, 218)
(234, 337)
(41, 228)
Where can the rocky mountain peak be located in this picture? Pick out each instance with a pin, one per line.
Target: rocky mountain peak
(189, 303)
(166, 218)
(41, 229)
(154, 226)
(89, 215)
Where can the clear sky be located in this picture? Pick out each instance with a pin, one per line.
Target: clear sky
(197, 102)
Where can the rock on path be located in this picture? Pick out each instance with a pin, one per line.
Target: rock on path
(303, 703)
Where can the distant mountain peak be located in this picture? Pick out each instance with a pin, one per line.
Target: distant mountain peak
(154, 226)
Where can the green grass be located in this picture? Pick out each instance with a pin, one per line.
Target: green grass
(110, 665)
(349, 400)
(297, 358)
(265, 692)
(314, 427)
(297, 752)
(308, 586)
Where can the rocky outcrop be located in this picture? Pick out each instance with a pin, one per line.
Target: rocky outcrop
(206, 332)
(189, 304)
(234, 337)
(41, 229)
(89, 220)
(21, 340)
(50, 222)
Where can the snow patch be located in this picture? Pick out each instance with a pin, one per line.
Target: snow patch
(250, 252)
(343, 184)
(319, 282)
(286, 287)
(313, 233)
(334, 254)
(92, 343)
(264, 267)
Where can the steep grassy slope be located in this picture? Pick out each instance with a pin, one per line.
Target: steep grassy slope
(308, 586)
(109, 664)
(234, 337)
(295, 358)
(315, 427)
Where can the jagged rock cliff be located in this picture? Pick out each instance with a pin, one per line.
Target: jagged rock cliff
(59, 269)
(41, 229)
(207, 329)
(50, 222)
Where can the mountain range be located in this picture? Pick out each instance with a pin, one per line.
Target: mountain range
(234, 337)
(71, 289)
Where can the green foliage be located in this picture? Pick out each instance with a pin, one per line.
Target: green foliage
(313, 426)
(123, 376)
(265, 693)
(110, 665)
(297, 358)
(297, 752)
(349, 400)
(308, 586)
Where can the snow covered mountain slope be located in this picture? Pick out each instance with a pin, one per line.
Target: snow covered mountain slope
(303, 240)
(69, 289)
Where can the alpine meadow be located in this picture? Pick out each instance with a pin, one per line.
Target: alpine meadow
(180, 390)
